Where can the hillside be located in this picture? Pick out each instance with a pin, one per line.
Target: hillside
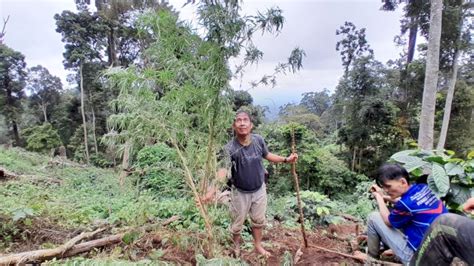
(46, 202)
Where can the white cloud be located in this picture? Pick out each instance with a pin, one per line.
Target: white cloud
(310, 25)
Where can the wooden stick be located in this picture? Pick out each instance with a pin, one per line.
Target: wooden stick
(297, 185)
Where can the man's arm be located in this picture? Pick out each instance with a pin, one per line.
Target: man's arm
(379, 197)
(279, 159)
(212, 189)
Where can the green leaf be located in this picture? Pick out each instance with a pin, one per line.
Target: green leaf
(470, 163)
(21, 214)
(417, 172)
(460, 193)
(130, 237)
(453, 169)
(450, 152)
(455, 160)
(415, 165)
(18, 215)
(406, 159)
(402, 154)
(470, 155)
(436, 159)
(438, 180)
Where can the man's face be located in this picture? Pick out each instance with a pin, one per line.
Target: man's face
(242, 124)
(395, 188)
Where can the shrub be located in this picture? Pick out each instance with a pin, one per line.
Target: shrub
(42, 138)
(316, 209)
(159, 170)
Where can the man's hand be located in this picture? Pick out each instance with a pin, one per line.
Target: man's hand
(376, 191)
(469, 206)
(292, 158)
(221, 175)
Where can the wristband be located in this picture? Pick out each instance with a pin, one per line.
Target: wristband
(285, 160)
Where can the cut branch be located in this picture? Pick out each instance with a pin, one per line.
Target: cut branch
(68, 249)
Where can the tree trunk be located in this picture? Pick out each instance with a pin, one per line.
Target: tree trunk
(43, 107)
(451, 87)
(111, 46)
(412, 39)
(425, 135)
(10, 116)
(448, 104)
(125, 164)
(16, 134)
(354, 158)
(84, 124)
(93, 132)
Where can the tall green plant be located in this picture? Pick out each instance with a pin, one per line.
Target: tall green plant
(173, 99)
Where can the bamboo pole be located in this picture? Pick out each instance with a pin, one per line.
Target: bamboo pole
(295, 176)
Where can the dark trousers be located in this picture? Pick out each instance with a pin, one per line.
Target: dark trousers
(449, 236)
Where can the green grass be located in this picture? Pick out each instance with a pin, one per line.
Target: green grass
(22, 162)
(78, 196)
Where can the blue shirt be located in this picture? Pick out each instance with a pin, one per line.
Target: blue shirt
(414, 213)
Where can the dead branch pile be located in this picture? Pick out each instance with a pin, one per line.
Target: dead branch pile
(68, 249)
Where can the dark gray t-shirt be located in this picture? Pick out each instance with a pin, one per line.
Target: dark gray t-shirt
(247, 169)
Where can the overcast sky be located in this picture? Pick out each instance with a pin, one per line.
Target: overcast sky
(310, 25)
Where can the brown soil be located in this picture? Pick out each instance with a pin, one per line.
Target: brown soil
(277, 241)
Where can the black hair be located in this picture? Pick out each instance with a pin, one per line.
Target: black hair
(392, 171)
(240, 111)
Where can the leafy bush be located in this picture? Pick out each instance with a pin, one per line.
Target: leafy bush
(99, 160)
(357, 204)
(450, 178)
(159, 170)
(316, 209)
(331, 175)
(42, 138)
(318, 168)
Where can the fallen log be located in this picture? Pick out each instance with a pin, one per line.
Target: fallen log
(46, 254)
(86, 246)
(4, 174)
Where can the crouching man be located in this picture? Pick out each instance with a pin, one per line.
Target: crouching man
(415, 208)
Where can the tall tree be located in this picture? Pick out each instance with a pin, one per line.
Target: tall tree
(457, 42)
(352, 45)
(316, 102)
(84, 35)
(44, 88)
(413, 18)
(425, 135)
(12, 84)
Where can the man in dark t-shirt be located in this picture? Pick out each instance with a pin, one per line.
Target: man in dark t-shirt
(249, 194)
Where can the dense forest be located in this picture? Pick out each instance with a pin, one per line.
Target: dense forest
(137, 140)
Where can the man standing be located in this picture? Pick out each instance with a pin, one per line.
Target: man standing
(403, 228)
(249, 194)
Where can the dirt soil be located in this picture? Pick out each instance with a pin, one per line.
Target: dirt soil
(280, 240)
(277, 241)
